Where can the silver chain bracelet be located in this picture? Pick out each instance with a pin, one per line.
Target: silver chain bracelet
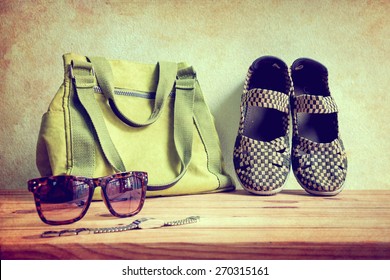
(143, 223)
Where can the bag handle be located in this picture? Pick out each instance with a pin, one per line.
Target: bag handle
(183, 118)
(105, 77)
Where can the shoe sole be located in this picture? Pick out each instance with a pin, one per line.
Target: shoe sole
(263, 193)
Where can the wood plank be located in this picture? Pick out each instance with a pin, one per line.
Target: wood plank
(290, 225)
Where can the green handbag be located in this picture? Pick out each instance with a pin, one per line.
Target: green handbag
(111, 116)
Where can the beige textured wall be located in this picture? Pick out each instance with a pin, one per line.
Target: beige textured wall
(221, 39)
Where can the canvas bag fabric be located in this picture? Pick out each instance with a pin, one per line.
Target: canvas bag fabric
(111, 116)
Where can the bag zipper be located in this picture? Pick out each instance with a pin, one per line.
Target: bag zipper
(146, 95)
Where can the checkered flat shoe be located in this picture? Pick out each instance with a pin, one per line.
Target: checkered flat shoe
(319, 161)
(262, 153)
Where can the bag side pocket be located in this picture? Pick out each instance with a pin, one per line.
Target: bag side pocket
(51, 152)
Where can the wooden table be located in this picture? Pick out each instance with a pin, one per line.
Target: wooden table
(290, 225)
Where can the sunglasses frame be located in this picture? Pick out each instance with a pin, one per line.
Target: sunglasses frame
(35, 184)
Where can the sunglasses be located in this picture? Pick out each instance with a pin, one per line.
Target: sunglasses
(61, 200)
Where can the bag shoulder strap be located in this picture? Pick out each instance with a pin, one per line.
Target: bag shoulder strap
(84, 82)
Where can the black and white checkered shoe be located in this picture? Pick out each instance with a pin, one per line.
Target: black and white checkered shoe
(262, 153)
(319, 161)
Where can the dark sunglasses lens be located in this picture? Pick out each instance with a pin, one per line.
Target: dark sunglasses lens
(125, 195)
(63, 200)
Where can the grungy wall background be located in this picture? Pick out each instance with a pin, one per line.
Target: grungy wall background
(221, 39)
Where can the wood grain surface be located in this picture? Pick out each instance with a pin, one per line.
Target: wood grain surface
(236, 225)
